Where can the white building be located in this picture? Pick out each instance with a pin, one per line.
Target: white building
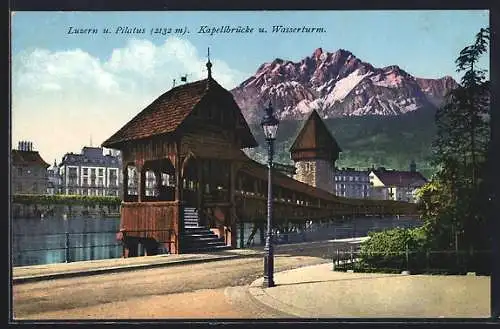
(91, 173)
(54, 180)
(352, 183)
(396, 185)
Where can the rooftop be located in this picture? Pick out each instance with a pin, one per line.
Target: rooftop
(165, 114)
(30, 158)
(400, 178)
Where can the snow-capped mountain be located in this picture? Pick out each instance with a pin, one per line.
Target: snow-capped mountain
(336, 84)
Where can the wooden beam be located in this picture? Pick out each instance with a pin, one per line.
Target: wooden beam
(178, 176)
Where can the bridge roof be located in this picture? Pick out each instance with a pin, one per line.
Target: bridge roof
(165, 114)
(260, 171)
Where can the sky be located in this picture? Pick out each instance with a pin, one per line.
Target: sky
(72, 90)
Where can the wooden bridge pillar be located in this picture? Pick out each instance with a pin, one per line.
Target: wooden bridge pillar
(125, 182)
(232, 211)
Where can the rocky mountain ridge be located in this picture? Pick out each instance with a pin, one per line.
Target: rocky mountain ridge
(336, 84)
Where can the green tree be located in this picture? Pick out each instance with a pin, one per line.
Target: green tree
(460, 152)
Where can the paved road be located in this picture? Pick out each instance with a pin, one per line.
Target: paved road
(207, 290)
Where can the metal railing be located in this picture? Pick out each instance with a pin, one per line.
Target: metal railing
(72, 241)
(414, 261)
(329, 231)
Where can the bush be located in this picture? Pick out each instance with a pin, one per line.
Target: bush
(66, 199)
(387, 249)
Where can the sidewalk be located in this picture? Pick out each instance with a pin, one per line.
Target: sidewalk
(34, 273)
(317, 291)
(23, 274)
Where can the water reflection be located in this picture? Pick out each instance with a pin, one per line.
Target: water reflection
(43, 241)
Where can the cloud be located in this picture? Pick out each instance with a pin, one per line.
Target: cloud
(61, 98)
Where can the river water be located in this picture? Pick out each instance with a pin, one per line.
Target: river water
(43, 241)
(56, 240)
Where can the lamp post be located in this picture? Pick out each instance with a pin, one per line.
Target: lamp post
(270, 125)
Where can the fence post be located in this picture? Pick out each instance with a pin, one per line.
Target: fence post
(427, 260)
(407, 258)
(352, 259)
(338, 257)
(66, 247)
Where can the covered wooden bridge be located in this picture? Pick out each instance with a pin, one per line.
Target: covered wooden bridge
(190, 139)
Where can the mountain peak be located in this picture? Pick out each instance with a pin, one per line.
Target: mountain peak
(336, 84)
(317, 53)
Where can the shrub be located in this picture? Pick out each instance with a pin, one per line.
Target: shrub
(65, 199)
(387, 249)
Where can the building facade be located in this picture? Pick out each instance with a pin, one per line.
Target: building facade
(91, 173)
(315, 152)
(352, 183)
(396, 185)
(54, 180)
(29, 170)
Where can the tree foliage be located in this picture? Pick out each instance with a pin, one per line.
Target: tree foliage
(453, 203)
(66, 199)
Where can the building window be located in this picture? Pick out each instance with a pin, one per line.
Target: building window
(19, 171)
(85, 171)
(92, 172)
(100, 182)
(19, 187)
(101, 172)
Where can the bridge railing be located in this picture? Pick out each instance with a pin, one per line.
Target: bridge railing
(315, 231)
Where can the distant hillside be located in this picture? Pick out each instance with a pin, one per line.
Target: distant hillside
(391, 141)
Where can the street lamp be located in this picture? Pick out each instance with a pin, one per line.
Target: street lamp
(270, 125)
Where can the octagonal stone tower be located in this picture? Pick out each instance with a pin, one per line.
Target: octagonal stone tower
(314, 152)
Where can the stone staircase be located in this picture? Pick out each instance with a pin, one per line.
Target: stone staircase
(198, 238)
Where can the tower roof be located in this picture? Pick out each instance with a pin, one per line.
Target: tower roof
(314, 141)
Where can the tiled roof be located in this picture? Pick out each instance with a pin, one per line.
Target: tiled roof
(28, 158)
(400, 178)
(314, 134)
(163, 115)
(167, 112)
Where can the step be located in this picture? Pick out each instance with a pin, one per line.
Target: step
(203, 244)
(207, 249)
(206, 241)
(200, 236)
(197, 229)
